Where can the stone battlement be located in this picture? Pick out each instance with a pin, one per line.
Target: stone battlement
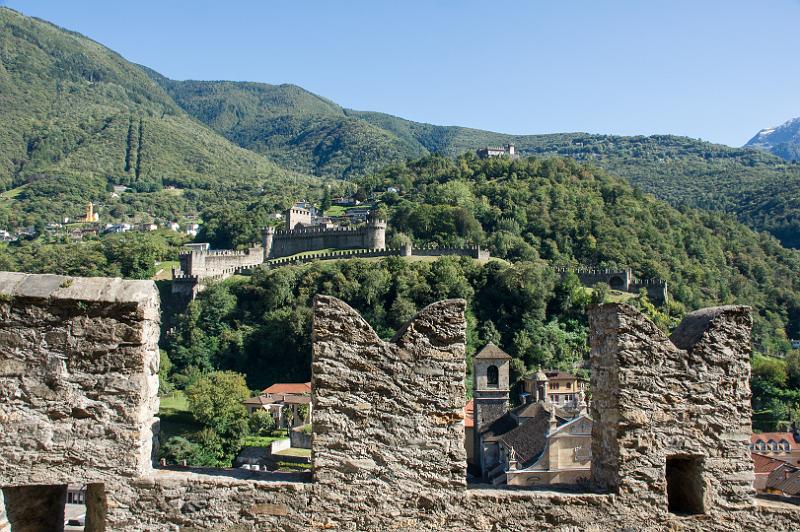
(78, 404)
(623, 280)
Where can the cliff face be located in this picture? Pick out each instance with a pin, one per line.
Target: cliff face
(78, 375)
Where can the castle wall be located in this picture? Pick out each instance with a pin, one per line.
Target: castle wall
(621, 280)
(78, 361)
(686, 397)
(208, 263)
(291, 242)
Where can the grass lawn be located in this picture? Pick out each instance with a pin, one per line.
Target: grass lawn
(294, 451)
(164, 270)
(336, 210)
(615, 296)
(265, 441)
(176, 420)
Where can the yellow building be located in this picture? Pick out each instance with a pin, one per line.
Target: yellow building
(561, 387)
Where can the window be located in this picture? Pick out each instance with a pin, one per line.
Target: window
(40, 507)
(685, 486)
(492, 376)
(554, 386)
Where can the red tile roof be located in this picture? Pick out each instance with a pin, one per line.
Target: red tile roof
(298, 388)
(765, 464)
(776, 437)
(469, 411)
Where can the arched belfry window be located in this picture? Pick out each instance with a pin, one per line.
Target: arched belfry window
(492, 376)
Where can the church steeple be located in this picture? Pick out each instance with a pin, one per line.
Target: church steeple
(491, 369)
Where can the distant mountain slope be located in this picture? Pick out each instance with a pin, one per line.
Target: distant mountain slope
(783, 141)
(295, 128)
(70, 106)
(307, 133)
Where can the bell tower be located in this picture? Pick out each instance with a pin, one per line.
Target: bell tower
(490, 368)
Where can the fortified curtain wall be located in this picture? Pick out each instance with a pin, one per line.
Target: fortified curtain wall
(290, 242)
(78, 373)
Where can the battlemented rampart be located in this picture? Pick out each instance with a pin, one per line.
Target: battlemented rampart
(283, 243)
(78, 370)
(622, 280)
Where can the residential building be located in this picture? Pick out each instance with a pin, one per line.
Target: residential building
(781, 445)
(784, 481)
(280, 396)
(562, 387)
(117, 228)
(764, 466)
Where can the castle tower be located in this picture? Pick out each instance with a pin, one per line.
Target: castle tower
(490, 392)
(269, 234)
(375, 234)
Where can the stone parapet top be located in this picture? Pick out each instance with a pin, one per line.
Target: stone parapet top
(485, 491)
(230, 477)
(142, 294)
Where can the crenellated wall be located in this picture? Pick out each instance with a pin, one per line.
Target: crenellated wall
(622, 280)
(208, 263)
(78, 365)
(292, 241)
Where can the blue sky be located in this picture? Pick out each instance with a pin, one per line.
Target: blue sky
(716, 70)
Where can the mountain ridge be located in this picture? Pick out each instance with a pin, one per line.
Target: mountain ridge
(782, 140)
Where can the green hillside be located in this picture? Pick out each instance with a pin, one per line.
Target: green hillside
(537, 213)
(293, 127)
(69, 106)
(304, 132)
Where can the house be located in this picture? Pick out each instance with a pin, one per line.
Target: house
(562, 387)
(192, 229)
(763, 466)
(148, 227)
(358, 214)
(795, 344)
(281, 396)
(5, 236)
(781, 445)
(539, 442)
(175, 226)
(345, 201)
(299, 388)
(117, 228)
(784, 480)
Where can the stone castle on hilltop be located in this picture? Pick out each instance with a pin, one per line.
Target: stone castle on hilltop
(303, 233)
(79, 366)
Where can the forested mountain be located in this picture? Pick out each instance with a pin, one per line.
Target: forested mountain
(310, 134)
(783, 140)
(536, 213)
(69, 106)
(293, 127)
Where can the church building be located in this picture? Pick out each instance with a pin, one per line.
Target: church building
(537, 443)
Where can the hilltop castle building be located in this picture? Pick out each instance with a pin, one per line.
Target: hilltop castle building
(507, 150)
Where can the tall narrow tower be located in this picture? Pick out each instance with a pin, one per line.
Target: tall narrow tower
(491, 374)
